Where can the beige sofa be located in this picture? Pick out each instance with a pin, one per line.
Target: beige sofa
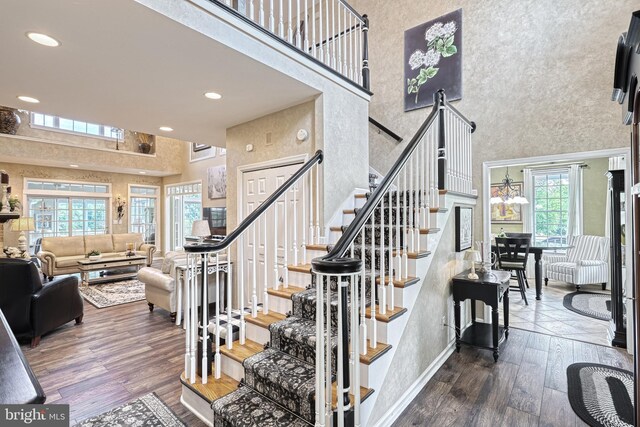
(60, 255)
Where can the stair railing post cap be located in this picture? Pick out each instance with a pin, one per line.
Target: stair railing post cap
(336, 266)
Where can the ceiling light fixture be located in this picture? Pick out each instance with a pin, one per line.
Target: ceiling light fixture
(506, 193)
(213, 95)
(142, 172)
(28, 99)
(43, 39)
(73, 166)
(166, 129)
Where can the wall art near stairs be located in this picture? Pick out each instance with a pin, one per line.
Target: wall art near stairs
(433, 60)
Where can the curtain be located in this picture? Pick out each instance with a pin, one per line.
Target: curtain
(575, 201)
(527, 209)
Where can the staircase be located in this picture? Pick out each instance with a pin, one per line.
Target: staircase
(313, 348)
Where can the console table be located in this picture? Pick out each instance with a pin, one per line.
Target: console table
(491, 287)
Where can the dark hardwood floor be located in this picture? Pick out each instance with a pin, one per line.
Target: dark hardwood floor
(117, 354)
(122, 352)
(526, 387)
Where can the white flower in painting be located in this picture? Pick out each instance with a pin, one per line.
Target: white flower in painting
(431, 58)
(449, 28)
(433, 32)
(417, 59)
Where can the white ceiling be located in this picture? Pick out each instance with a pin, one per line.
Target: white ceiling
(124, 65)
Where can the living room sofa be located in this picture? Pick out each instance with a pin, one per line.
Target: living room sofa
(60, 255)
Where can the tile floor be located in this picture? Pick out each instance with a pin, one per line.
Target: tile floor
(549, 316)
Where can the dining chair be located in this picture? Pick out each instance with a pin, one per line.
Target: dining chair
(526, 280)
(513, 253)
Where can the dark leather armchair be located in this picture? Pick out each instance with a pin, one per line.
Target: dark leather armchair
(33, 308)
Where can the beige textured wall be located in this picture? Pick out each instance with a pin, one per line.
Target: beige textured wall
(87, 152)
(119, 185)
(537, 75)
(283, 126)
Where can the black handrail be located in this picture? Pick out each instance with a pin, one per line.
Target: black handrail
(253, 216)
(385, 129)
(350, 234)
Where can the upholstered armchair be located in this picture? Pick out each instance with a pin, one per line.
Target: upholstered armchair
(585, 263)
(33, 308)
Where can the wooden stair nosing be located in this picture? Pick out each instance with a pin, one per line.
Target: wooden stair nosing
(432, 230)
(285, 293)
(349, 211)
(403, 283)
(301, 268)
(374, 354)
(241, 352)
(442, 192)
(388, 316)
(438, 210)
(214, 388)
(313, 247)
(364, 394)
(264, 320)
(360, 196)
(336, 229)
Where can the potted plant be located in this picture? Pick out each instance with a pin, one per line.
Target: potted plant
(94, 255)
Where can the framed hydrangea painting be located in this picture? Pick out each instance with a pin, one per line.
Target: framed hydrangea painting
(433, 61)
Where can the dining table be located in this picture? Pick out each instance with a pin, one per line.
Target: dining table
(537, 251)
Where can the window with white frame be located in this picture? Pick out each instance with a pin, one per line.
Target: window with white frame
(551, 207)
(61, 124)
(62, 208)
(184, 206)
(143, 211)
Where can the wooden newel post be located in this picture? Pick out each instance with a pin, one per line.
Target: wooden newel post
(366, 80)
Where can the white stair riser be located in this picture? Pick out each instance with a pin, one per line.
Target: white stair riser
(257, 333)
(298, 279)
(199, 406)
(372, 376)
(232, 368)
(280, 305)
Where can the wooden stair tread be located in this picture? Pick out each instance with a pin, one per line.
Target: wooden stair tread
(349, 211)
(360, 196)
(335, 228)
(402, 283)
(364, 394)
(264, 320)
(214, 388)
(374, 353)
(438, 210)
(414, 255)
(442, 192)
(301, 268)
(285, 293)
(318, 247)
(388, 316)
(240, 352)
(429, 230)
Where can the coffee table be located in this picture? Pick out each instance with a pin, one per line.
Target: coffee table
(110, 263)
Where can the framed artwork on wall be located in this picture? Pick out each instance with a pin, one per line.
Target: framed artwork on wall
(217, 182)
(201, 152)
(199, 147)
(464, 228)
(503, 213)
(433, 60)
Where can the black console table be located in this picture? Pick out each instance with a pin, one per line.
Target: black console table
(491, 288)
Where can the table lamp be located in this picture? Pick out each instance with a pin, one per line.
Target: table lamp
(472, 256)
(200, 229)
(22, 225)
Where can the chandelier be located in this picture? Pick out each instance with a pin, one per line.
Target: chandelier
(507, 193)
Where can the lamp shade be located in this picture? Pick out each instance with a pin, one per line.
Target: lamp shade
(23, 224)
(472, 255)
(200, 228)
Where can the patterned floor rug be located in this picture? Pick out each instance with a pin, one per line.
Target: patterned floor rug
(148, 411)
(601, 395)
(116, 293)
(589, 304)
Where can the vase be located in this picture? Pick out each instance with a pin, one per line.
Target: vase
(9, 120)
(144, 147)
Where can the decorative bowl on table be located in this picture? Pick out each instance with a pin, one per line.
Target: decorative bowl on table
(94, 257)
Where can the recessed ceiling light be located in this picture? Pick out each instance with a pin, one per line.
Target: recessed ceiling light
(43, 39)
(73, 166)
(213, 95)
(142, 172)
(28, 99)
(166, 129)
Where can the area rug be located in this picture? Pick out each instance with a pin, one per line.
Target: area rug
(147, 411)
(589, 304)
(115, 293)
(601, 395)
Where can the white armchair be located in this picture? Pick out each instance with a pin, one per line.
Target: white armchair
(587, 262)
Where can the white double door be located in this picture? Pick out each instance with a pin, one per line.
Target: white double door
(278, 233)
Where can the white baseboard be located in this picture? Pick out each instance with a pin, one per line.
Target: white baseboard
(394, 412)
